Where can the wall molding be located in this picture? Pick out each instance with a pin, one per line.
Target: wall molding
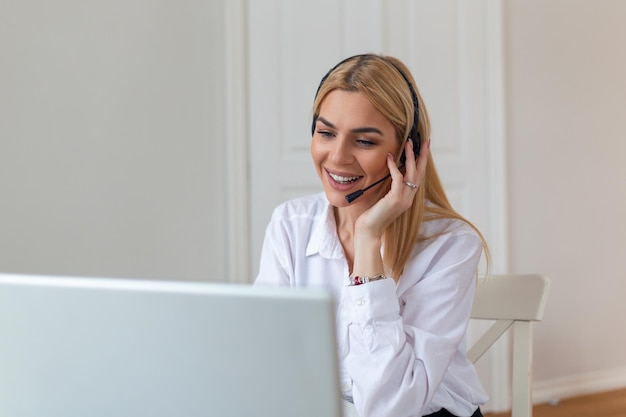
(236, 142)
(557, 389)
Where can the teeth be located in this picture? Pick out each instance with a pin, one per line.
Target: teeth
(341, 179)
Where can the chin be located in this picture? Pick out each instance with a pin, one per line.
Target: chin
(336, 199)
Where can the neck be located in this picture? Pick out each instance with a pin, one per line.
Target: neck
(345, 219)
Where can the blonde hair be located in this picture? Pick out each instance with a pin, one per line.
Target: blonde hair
(383, 80)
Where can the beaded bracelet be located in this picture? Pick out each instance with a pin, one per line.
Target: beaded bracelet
(356, 280)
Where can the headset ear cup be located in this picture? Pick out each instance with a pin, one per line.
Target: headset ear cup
(403, 156)
(416, 145)
(417, 142)
(313, 125)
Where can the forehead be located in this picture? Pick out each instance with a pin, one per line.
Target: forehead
(352, 109)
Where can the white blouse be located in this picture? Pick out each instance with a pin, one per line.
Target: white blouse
(402, 349)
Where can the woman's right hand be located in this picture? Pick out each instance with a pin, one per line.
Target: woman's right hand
(373, 222)
(371, 225)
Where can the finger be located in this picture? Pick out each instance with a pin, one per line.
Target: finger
(418, 169)
(394, 170)
(401, 191)
(410, 162)
(396, 174)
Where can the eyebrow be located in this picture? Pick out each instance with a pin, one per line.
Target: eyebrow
(365, 129)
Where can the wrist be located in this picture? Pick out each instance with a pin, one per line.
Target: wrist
(364, 232)
(367, 257)
(367, 242)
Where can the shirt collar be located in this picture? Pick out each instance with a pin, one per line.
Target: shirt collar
(324, 240)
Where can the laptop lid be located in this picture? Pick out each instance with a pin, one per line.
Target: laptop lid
(75, 347)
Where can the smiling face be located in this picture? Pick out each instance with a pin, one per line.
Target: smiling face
(350, 146)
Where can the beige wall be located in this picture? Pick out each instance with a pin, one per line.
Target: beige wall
(112, 138)
(566, 127)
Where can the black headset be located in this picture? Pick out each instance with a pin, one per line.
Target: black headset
(414, 135)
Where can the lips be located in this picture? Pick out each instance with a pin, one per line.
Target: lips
(342, 181)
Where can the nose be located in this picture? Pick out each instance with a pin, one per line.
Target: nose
(341, 152)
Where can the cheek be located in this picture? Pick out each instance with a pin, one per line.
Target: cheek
(316, 153)
(377, 164)
(313, 150)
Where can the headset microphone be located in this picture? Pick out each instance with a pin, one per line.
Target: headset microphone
(353, 196)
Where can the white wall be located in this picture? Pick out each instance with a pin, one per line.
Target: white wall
(112, 138)
(566, 107)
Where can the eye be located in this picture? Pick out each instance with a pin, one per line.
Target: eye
(325, 133)
(365, 143)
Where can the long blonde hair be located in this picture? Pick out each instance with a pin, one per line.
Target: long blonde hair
(383, 79)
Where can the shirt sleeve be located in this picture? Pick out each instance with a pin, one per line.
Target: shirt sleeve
(401, 347)
(275, 262)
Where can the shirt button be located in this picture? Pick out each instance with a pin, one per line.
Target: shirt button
(360, 302)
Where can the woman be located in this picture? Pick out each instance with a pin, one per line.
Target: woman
(384, 239)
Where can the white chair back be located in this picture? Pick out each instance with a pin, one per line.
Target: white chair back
(512, 301)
